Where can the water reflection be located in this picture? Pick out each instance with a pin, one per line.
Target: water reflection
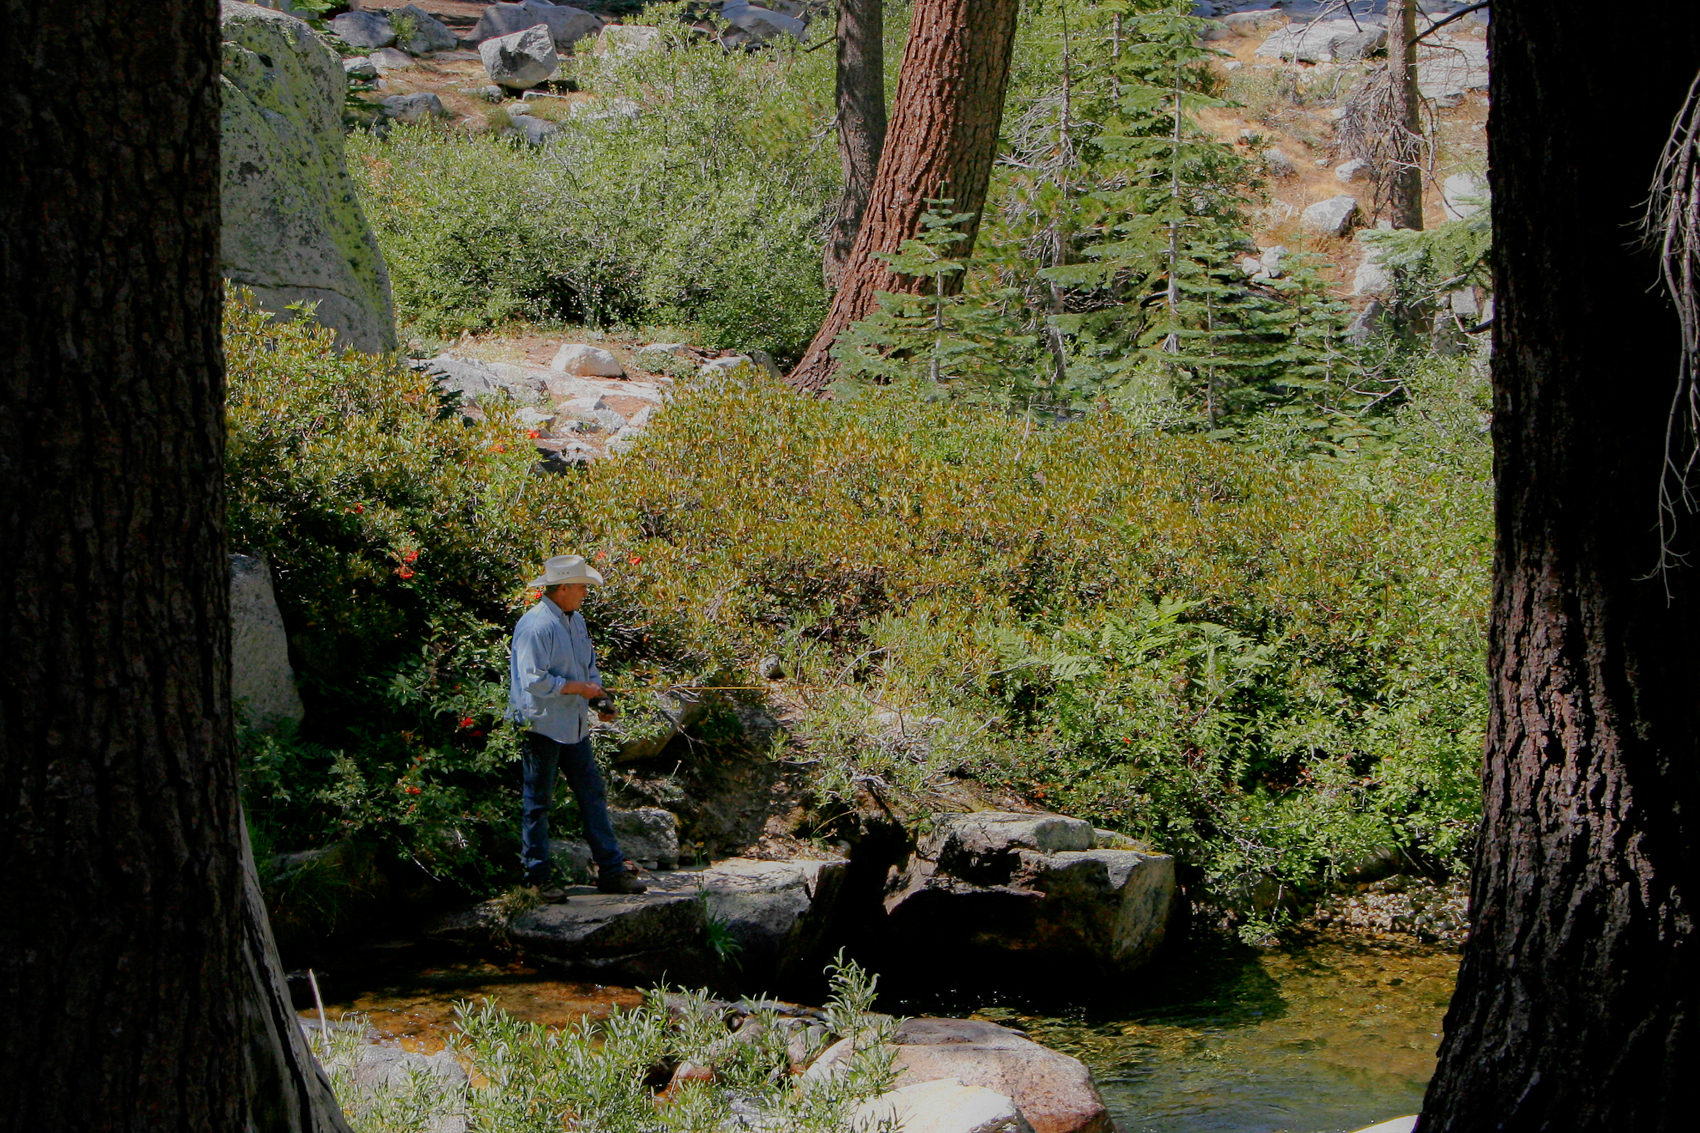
(1326, 1034)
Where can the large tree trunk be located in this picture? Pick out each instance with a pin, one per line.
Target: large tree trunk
(1575, 1007)
(135, 962)
(861, 120)
(942, 139)
(1405, 191)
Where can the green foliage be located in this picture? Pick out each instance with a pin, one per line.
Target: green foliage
(606, 1075)
(397, 534)
(704, 210)
(1264, 666)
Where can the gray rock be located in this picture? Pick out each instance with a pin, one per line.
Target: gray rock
(644, 730)
(629, 39)
(945, 1106)
(1035, 886)
(491, 93)
(392, 1068)
(293, 230)
(413, 107)
(615, 111)
(648, 836)
(1250, 23)
(1324, 41)
(1356, 169)
(428, 32)
(535, 131)
(522, 59)
(1367, 322)
(1397, 1125)
(363, 29)
(582, 361)
(1463, 195)
(1333, 217)
(1449, 68)
(1271, 262)
(359, 67)
(1279, 164)
(473, 379)
(771, 668)
(387, 59)
(1054, 1092)
(778, 912)
(761, 24)
(567, 25)
(1372, 277)
(261, 679)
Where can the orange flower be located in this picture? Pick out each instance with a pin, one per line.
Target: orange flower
(410, 555)
(636, 559)
(405, 572)
(412, 790)
(533, 434)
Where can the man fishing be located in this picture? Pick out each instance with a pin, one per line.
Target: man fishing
(553, 681)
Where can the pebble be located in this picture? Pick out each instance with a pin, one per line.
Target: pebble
(1433, 912)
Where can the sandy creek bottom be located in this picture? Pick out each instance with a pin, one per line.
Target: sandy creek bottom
(1326, 1034)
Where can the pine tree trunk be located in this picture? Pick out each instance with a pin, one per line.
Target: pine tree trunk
(861, 120)
(941, 143)
(1405, 198)
(1576, 1002)
(135, 960)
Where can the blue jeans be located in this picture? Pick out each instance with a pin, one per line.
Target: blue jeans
(540, 762)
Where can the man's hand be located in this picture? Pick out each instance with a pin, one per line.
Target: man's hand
(590, 690)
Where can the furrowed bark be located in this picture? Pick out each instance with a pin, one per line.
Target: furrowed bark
(134, 960)
(1576, 999)
(861, 120)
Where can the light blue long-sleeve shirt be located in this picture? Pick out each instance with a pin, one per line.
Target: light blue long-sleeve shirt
(551, 648)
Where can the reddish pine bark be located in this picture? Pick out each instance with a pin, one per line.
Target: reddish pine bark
(1576, 999)
(941, 143)
(141, 988)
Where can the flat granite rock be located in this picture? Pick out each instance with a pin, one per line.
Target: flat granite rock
(777, 912)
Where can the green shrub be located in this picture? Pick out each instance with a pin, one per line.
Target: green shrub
(1266, 666)
(706, 210)
(607, 1075)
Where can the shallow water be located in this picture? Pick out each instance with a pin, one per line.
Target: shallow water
(1330, 1034)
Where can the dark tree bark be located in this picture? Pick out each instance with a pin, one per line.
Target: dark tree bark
(861, 120)
(1405, 191)
(941, 143)
(1575, 1007)
(142, 991)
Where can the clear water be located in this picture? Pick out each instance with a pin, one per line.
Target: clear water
(1333, 1034)
(1327, 1035)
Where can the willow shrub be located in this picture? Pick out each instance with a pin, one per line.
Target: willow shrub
(704, 208)
(1268, 667)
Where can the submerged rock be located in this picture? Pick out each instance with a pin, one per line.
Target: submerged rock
(1037, 886)
(293, 230)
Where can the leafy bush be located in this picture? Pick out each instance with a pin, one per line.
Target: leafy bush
(706, 209)
(1267, 666)
(608, 1075)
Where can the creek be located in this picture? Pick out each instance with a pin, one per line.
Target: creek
(1329, 1033)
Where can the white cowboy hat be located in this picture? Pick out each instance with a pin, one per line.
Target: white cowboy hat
(567, 568)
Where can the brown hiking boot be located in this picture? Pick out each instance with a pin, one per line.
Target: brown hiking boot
(620, 881)
(552, 895)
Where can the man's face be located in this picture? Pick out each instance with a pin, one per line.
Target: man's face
(569, 597)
